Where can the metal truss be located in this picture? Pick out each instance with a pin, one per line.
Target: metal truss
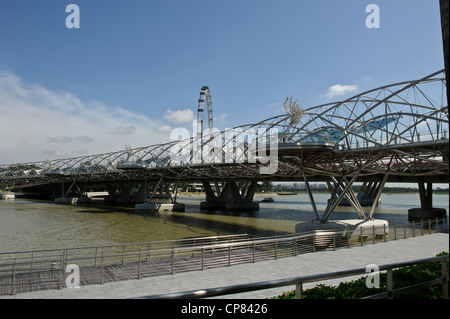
(399, 130)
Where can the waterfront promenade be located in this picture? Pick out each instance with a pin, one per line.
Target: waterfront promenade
(306, 264)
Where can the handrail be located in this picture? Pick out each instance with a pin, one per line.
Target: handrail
(299, 281)
(129, 244)
(203, 245)
(210, 246)
(198, 253)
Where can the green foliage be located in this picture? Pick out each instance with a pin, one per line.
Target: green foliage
(403, 277)
(264, 187)
(4, 187)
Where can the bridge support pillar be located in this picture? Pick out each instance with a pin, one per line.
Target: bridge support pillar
(233, 196)
(124, 193)
(366, 195)
(128, 194)
(214, 201)
(136, 193)
(363, 228)
(341, 190)
(112, 194)
(74, 195)
(159, 207)
(426, 210)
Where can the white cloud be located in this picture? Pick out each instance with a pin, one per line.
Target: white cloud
(180, 116)
(338, 90)
(69, 139)
(60, 139)
(38, 124)
(165, 128)
(83, 139)
(123, 130)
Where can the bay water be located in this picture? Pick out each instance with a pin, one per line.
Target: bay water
(34, 225)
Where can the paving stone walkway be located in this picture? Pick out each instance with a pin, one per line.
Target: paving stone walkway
(306, 264)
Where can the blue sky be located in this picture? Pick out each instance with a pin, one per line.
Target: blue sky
(134, 69)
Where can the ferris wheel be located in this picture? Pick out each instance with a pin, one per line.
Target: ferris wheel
(205, 95)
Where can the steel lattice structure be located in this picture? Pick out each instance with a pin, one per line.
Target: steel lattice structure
(398, 132)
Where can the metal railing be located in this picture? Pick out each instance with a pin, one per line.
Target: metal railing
(298, 282)
(46, 269)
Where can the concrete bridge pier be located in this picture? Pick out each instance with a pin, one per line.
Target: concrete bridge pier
(7, 196)
(365, 227)
(122, 193)
(232, 196)
(74, 195)
(215, 200)
(160, 190)
(426, 210)
(135, 193)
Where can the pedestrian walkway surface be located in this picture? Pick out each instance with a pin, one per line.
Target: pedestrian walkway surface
(302, 265)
